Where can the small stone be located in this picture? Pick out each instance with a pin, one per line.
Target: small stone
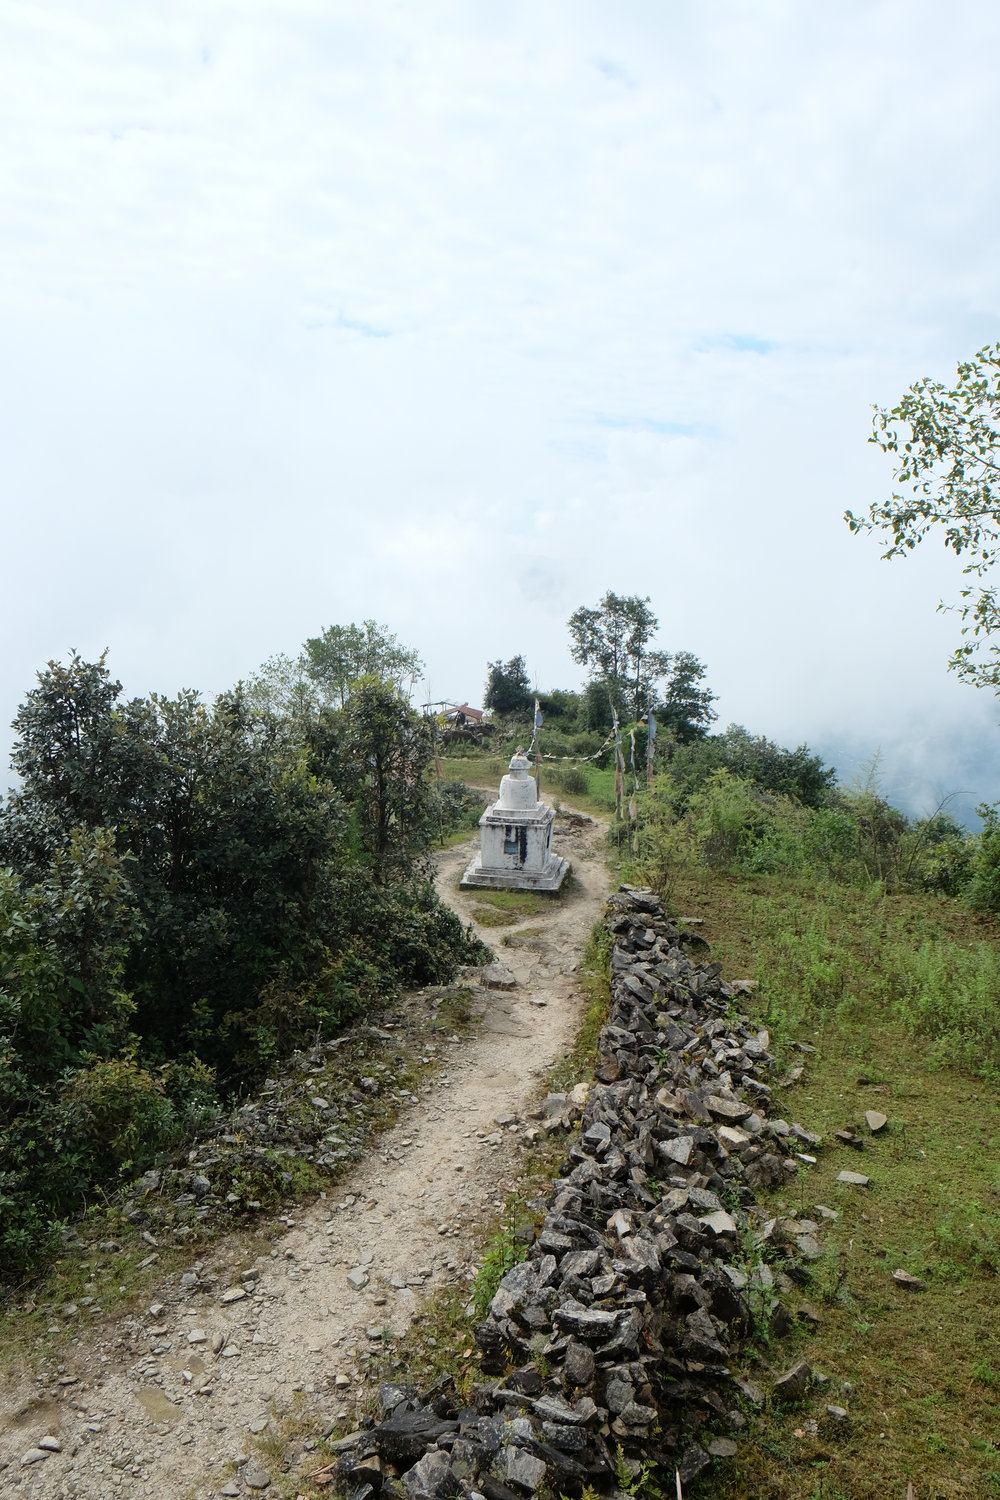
(522, 1469)
(579, 1365)
(838, 1413)
(50, 1444)
(904, 1278)
(429, 1475)
(33, 1456)
(875, 1120)
(722, 1447)
(793, 1385)
(229, 1489)
(358, 1278)
(197, 1336)
(853, 1179)
(258, 1423)
(497, 977)
(234, 1294)
(720, 1223)
(156, 1310)
(256, 1477)
(728, 1109)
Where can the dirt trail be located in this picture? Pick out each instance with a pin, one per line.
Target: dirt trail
(167, 1404)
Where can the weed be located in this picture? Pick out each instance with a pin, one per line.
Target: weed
(504, 1251)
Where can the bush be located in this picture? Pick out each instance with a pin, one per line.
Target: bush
(454, 807)
(119, 1114)
(571, 779)
(983, 891)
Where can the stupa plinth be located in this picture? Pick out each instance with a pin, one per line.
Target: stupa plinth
(515, 838)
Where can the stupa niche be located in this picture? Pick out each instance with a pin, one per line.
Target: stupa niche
(515, 838)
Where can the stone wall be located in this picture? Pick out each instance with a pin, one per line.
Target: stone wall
(611, 1345)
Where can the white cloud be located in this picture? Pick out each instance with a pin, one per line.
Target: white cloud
(317, 311)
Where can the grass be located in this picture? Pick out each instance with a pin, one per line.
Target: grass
(505, 908)
(893, 994)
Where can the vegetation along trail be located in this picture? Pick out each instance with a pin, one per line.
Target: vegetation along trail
(190, 1398)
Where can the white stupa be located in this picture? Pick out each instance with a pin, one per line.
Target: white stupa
(515, 838)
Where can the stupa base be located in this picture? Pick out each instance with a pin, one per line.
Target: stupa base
(548, 879)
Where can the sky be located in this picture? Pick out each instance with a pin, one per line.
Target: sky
(456, 315)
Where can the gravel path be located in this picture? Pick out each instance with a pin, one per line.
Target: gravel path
(179, 1403)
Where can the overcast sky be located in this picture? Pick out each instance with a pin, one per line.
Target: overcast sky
(455, 315)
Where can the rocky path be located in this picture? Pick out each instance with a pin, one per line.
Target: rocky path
(181, 1402)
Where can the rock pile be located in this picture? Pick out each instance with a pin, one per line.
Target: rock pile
(621, 1323)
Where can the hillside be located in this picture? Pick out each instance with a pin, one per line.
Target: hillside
(238, 1310)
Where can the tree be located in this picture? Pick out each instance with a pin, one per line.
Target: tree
(387, 749)
(946, 446)
(686, 708)
(282, 686)
(612, 641)
(508, 687)
(343, 654)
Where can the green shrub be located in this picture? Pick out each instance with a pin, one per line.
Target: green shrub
(120, 1115)
(455, 806)
(571, 779)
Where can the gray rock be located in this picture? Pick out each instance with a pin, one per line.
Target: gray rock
(733, 1111)
(552, 1409)
(256, 1477)
(580, 1263)
(693, 1461)
(521, 1468)
(635, 1415)
(905, 1279)
(793, 1385)
(586, 1322)
(358, 1278)
(579, 1365)
(618, 1395)
(853, 1179)
(722, 1447)
(430, 1476)
(679, 1150)
(497, 977)
(720, 1222)
(875, 1120)
(33, 1456)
